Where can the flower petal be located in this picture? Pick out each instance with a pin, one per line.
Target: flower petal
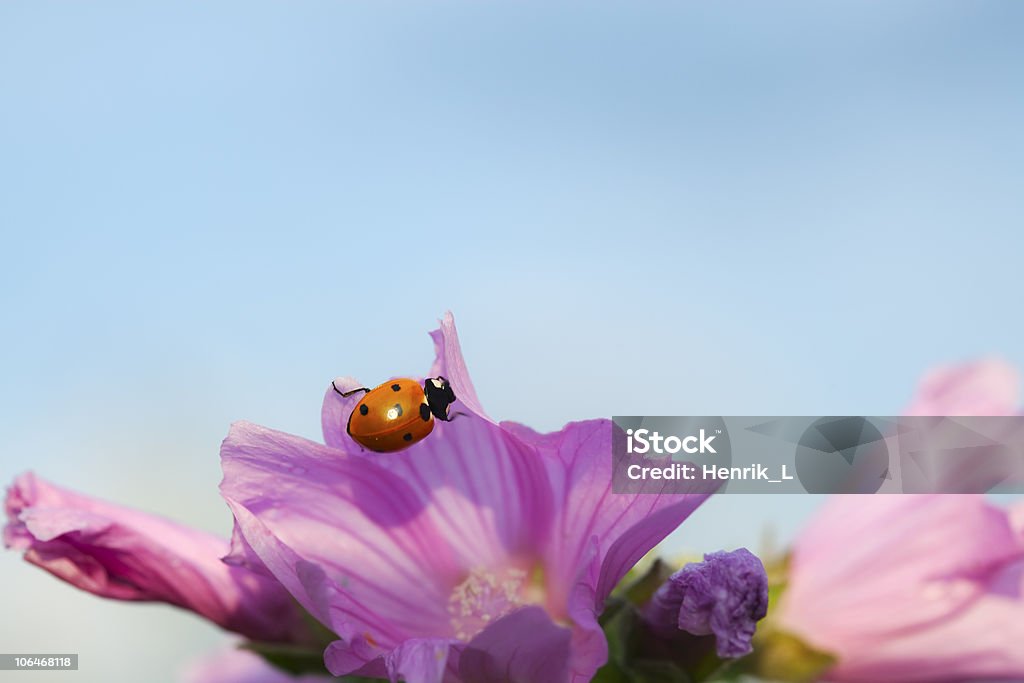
(597, 535)
(490, 495)
(336, 410)
(986, 387)
(290, 496)
(417, 660)
(861, 573)
(355, 657)
(404, 528)
(983, 641)
(725, 595)
(474, 496)
(624, 526)
(589, 645)
(420, 660)
(233, 665)
(449, 364)
(125, 554)
(522, 646)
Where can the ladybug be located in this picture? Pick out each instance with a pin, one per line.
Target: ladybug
(398, 413)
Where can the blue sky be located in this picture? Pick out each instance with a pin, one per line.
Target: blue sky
(208, 211)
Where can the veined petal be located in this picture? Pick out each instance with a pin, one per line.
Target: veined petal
(448, 363)
(982, 641)
(418, 661)
(125, 554)
(336, 410)
(589, 645)
(404, 528)
(302, 506)
(522, 646)
(624, 526)
(480, 532)
(862, 573)
(597, 536)
(355, 657)
(489, 493)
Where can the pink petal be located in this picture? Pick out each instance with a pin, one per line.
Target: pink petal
(1016, 515)
(418, 661)
(404, 528)
(232, 665)
(522, 646)
(589, 646)
(291, 496)
(986, 387)
(983, 641)
(597, 535)
(625, 526)
(336, 410)
(490, 495)
(125, 554)
(862, 575)
(450, 364)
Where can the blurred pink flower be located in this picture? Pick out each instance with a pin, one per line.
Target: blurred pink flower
(910, 588)
(985, 387)
(116, 552)
(483, 553)
(233, 665)
(917, 587)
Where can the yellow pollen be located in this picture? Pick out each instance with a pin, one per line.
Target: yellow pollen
(485, 596)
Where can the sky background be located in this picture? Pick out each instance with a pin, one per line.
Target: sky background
(209, 211)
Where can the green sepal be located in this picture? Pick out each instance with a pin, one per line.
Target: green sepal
(779, 655)
(635, 655)
(293, 659)
(782, 656)
(640, 588)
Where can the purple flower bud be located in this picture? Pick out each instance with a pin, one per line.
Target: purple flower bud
(725, 595)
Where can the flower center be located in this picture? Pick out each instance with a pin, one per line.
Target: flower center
(487, 595)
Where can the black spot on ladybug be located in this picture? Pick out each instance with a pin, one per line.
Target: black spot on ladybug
(407, 436)
(363, 410)
(424, 412)
(396, 387)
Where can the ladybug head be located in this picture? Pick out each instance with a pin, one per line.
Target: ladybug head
(439, 396)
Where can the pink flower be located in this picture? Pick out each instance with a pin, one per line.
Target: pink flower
(985, 387)
(119, 553)
(916, 587)
(483, 553)
(233, 665)
(912, 587)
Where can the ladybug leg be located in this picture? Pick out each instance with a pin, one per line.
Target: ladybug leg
(455, 415)
(348, 393)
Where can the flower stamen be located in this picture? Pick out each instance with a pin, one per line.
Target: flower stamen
(483, 597)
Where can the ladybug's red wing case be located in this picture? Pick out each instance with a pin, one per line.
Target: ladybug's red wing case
(391, 417)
